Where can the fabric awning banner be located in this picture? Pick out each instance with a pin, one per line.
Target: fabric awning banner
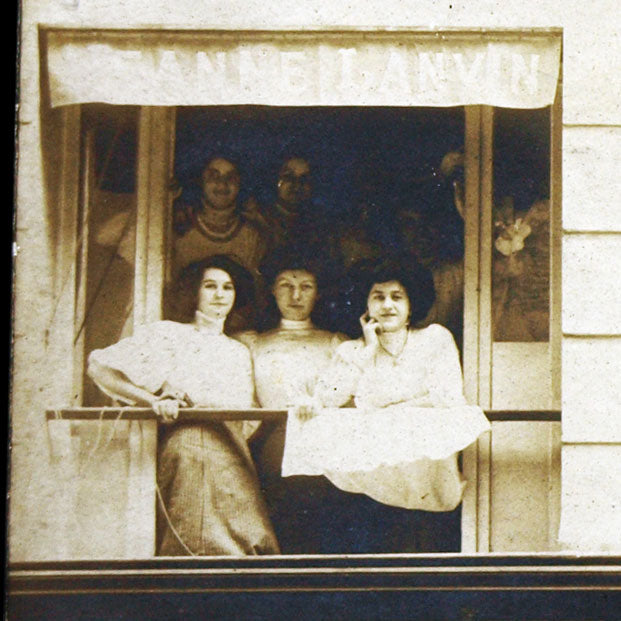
(155, 68)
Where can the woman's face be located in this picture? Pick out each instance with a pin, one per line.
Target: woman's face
(296, 293)
(220, 184)
(389, 305)
(216, 294)
(294, 183)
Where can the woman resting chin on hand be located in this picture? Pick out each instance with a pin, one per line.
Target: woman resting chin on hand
(403, 373)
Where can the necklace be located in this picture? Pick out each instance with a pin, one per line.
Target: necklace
(394, 357)
(218, 232)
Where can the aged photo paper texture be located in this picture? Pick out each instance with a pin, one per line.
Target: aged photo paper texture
(315, 307)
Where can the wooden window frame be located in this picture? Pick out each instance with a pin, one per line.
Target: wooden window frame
(155, 154)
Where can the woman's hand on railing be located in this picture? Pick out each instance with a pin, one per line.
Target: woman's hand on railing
(306, 408)
(166, 408)
(167, 405)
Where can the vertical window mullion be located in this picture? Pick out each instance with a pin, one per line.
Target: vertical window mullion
(155, 147)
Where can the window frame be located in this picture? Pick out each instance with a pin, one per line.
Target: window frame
(156, 136)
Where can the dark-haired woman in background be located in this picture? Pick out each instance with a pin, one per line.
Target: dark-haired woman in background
(210, 498)
(209, 221)
(288, 358)
(407, 372)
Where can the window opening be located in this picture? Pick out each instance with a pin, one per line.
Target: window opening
(391, 177)
(383, 180)
(109, 200)
(521, 252)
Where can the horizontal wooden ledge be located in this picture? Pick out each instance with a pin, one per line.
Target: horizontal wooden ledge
(478, 561)
(311, 574)
(599, 232)
(398, 588)
(186, 415)
(189, 415)
(590, 337)
(317, 30)
(543, 416)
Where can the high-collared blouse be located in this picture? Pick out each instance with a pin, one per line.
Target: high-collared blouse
(213, 369)
(288, 360)
(426, 373)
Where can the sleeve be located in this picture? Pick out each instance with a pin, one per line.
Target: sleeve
(444, 376)
(246, 382)
(338, 384)
(145, 358)
(249, 427)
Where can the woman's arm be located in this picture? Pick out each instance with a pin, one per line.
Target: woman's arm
(115, 383)
(444, 375)
(339, 383)
(336, 387)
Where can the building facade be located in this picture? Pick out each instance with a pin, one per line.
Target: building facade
(89, 70)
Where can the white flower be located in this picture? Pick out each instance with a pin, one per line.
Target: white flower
(512, 236)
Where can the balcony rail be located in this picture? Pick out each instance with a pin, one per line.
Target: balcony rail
(191, 415)
(105, 474)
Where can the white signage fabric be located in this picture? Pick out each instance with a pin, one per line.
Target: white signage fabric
(155, 68)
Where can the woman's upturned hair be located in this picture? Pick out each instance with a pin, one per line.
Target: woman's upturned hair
(183, 293)
(405, 269)
(296, 256)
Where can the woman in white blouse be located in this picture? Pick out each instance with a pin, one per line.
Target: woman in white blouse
(392, 362)
(209, 493)
(395, 366)
(288, 358)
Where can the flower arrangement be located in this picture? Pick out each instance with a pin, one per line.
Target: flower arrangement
(511, 236)
(511, 231)
(520, 296)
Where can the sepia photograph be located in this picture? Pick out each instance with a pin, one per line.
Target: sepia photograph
(315, 312)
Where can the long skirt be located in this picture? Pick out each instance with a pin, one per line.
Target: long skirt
(312, 516)
(362, 525)
(212, 502)
(301, 507)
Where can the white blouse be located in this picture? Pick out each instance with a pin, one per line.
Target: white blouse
(288, 360)
(211, 368)
(426, 373)
(399, 444)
